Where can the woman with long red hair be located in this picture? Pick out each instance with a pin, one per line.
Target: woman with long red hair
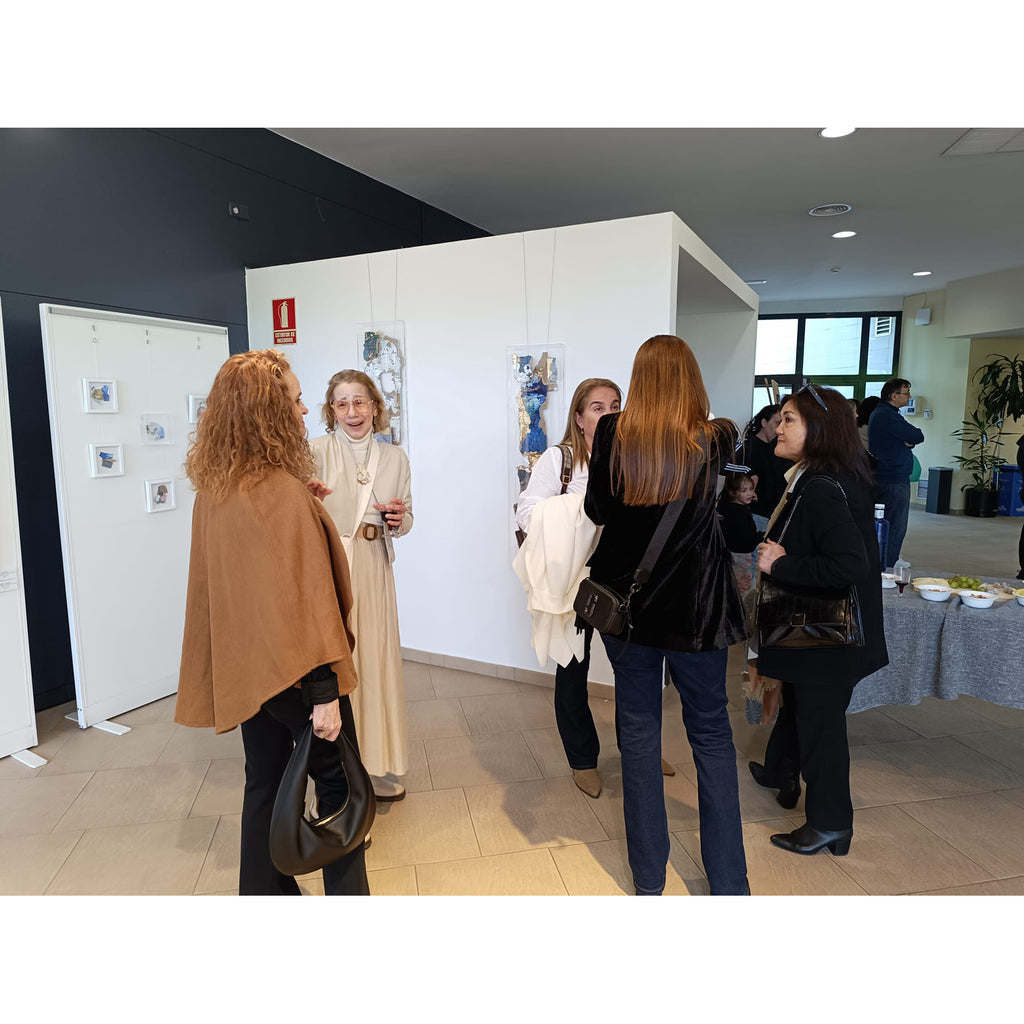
(665, 446)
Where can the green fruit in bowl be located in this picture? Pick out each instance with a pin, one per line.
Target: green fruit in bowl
(964, 582)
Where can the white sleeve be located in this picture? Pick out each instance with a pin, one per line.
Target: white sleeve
(545, 482)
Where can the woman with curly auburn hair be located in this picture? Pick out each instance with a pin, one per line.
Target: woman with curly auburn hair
(268, 641)
(369, 496)
(663, 447)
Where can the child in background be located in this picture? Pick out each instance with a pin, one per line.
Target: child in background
(741, 533)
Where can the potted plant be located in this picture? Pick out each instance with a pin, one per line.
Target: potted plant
(1001, 387)
(982, 437)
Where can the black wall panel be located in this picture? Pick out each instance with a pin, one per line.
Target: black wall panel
(136, 220)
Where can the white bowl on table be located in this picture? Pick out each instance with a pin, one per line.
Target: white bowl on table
(977, 598)
(1019, 595)
(933, 592)
(888, 581)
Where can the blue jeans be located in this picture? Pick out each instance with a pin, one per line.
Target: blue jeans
(896, 497)
(700, 680)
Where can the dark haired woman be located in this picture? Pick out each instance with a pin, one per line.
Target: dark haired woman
(661, 448)
(864, 411)
(267, 641)
(758, 453)
(370, 502)
(829, 543)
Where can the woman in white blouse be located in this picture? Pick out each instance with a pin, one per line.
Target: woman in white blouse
(593, 399)
(370, 503)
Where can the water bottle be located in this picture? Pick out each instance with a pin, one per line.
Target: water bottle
(882, 533)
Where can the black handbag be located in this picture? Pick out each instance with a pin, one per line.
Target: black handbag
(795, 617)
(299, 846)
(603, 608)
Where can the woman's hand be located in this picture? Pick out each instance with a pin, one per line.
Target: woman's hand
(318, 488)
(394, 512)
(767, 553)
(327, 720)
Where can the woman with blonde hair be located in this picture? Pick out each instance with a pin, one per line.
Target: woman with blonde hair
(268, 641)
(563, 469)
(370, 500)
(665, 447)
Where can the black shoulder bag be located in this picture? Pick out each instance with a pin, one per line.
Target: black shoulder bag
(802, 617)
(605, 610)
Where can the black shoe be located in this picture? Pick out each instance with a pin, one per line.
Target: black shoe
(807, 840)
(789, 789)
(1020, 575)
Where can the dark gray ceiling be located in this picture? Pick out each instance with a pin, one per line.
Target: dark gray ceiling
(744, 191)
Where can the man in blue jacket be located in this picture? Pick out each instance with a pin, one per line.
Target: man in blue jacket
(890, 438)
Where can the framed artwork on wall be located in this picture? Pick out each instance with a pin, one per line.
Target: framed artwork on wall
(160, 495)
(106, 460)
(196, 405)
(381, 356)
(99, 394)
(156, 428)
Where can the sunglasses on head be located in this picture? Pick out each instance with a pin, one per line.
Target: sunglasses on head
(814, 394)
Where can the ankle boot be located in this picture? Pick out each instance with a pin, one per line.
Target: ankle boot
(789, 788)
(588, 780)
(807, 840)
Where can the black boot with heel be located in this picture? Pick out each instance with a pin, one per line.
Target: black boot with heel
(807, 840)
(789, 788)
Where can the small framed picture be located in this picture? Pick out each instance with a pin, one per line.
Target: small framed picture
(196, 405)
(156, 428)
(106, 460)
(99, 394)
(160, 495)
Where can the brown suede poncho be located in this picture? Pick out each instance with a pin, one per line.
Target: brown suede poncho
(268, 600)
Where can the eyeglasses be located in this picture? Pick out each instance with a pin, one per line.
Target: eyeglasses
(814, 394)
(356, 403)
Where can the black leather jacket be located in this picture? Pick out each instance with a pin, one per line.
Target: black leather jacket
(690, 603)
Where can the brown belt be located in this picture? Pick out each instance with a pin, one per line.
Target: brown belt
(369, 531)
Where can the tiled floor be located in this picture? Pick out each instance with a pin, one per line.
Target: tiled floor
(491, 809)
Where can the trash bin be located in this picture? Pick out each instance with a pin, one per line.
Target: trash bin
(940, 484)
(1009, 491)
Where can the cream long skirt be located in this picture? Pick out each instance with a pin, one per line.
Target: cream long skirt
(378, 702)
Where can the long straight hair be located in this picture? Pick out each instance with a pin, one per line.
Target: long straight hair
(573, 432)
(663, 437)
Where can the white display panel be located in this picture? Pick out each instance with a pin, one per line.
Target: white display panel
(125, 569)
(17, 714)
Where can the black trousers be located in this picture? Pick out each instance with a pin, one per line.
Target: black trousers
(809, 739)
(268, 738)
(573, 716)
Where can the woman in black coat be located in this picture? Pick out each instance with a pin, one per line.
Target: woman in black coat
(829, 542)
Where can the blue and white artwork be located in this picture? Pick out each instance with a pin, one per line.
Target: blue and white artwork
(99, 395)
(536, 375)
(156, 428)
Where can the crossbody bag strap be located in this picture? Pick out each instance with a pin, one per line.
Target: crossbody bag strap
(669, 518)
(566, 450)
(819, 476)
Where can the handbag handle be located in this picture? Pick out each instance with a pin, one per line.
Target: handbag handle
(819, 476)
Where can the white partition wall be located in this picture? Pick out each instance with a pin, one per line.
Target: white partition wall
(17, 714)
(125, 542)
(598, 289)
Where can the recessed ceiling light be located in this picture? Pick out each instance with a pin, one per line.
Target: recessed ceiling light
(756, 282)
(835, 133)
(922, 273)
(844, 234)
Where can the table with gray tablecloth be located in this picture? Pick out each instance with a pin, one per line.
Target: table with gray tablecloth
(944, 649)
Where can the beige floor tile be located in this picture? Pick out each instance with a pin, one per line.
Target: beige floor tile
(603, 710)
(875, 726)
(421, 829)
(418, 685)
(480, 760)
(159, 858)
(222, 789)
(417, 779)
(875, 781)
(90, 750)
(984, 826)
(527, 873)
(220, 865)
(547, 750)
(602, 869)
(999, 887)
(675, 747)
(312, 886)
(949, 767)
(1015, 796)
(33, 806)
(527, 815)
(449, 682)
(892, 853)
(1003, 745)
(506, 712)
(429, 719)
(536, 689)
(1004, 718)
(53, 739)
(393, 882)
(774, 872)
(188, 744)
(756, 804)
(219, 892)
(131, 796)
(55, 719)
(680, 802)
(749, 740)
(11, 769)
(934, 717)
(28, 863)
(156, 711)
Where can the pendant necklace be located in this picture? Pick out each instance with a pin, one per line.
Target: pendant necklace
(362, 459)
